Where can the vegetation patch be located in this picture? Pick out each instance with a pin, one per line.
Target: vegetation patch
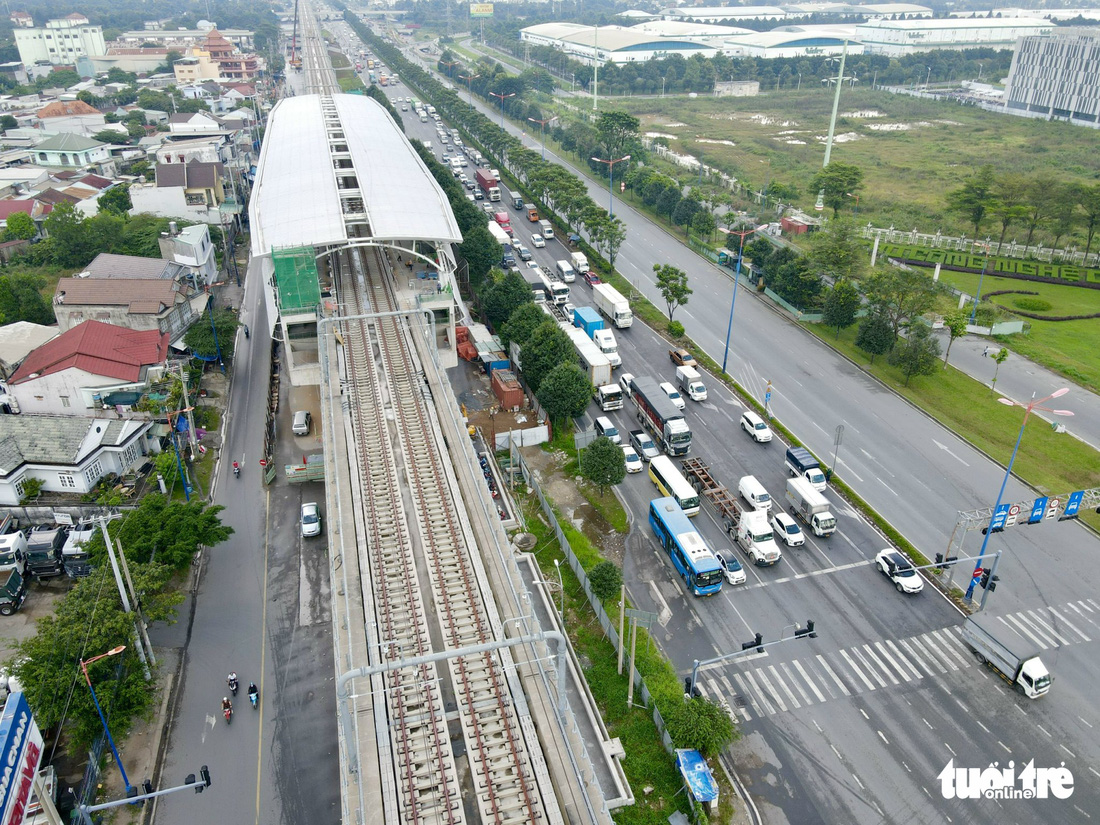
(1008, 267)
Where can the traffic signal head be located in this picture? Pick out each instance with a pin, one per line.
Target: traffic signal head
(808, 630)
(757, 642)
(204, 772)
(985, 577)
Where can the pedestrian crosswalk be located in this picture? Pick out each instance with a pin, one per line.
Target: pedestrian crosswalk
(750, 693)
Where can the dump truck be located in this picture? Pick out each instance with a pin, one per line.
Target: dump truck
(660, 417)
(748, 527)
(810, 506)
(612, 305)
(1008, 654)
(800, 463)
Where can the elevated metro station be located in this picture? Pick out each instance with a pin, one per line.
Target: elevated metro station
(336, 173)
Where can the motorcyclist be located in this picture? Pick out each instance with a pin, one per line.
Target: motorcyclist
(236, 469)
(226, 705)
(246, 335)
(253, 693)
(231, 680)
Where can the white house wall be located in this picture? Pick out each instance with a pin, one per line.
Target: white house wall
(45, 395)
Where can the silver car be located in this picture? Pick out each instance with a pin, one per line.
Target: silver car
(311, 519)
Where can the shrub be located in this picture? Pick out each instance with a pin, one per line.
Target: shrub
(606, 579)
(1032, 304)
(676, 329)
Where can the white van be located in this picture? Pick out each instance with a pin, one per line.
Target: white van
(302, 420)
(754, 493)
(566, 272)
(605, 428)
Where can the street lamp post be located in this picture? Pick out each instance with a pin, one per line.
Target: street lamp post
(469, 78)
(502, 97)
(927, 78)
(561, 587)
(733, 302)
(981, 277)
(1031, 405)
(611, 181)
(84, 667)
(856, 196)
(542, 132)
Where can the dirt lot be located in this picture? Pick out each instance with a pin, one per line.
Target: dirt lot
(565, 494)
(42, 599)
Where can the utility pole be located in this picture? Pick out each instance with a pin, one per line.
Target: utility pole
(139, 637)
(836, 104)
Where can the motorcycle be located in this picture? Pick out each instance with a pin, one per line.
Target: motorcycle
(236, 469)
(234, 685)
(227, 710)
(253, 695)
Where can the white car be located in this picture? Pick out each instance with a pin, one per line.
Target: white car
(624, 383)
(640, 441)
(533, 265)
(899, 570)
(633, 460)
(311, 519)
(786, 530)
(731, 567)
(754, 425)
(673, 395)
(538, 242)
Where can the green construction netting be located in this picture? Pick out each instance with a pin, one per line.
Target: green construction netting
(296, 277)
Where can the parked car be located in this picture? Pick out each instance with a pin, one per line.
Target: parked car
(787, 530)
(682, 358)
(538, 242)
(634, 462)
(311, 519)
(754, 425)
(591, 278)
(899, 570)
(731, 567)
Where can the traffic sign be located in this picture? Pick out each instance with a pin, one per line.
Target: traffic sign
(1038, 509)
(263, 462)
(1074, 503)
(977, 574)
(999, 516)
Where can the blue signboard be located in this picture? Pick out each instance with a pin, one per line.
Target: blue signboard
(1074, 503)
(20, 753)
(700, 781)
(1038, 510)
(999, 517)
(767, 396)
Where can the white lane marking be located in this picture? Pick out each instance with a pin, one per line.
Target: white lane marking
(809, 681)
(857, 671)
(1003, 745)
(946, 650)
(782, 684)
(1045, 622)
(1069, 624)
(1067, 750)
(764, 703)
(835, 678)
(881, 648)
(917, 643)
(1022, 630)
(806, 700)
(874, 671)
(882, 736)
(744, 691)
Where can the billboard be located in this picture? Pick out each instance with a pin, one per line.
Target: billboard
(481, 10)
(20, 753)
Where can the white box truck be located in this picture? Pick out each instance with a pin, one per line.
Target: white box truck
(691, 383)
(579, 261)
(810, 506)
(605, 340)
(612, 305)
(1009, 655)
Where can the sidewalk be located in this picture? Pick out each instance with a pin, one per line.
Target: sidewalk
(1018, 378)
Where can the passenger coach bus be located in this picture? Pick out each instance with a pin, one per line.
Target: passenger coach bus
(690, 555)
(671, 482)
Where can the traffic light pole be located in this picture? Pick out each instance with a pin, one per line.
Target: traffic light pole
(756, 646)
(189, 783)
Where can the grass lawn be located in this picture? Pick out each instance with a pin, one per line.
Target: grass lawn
(1071, 348)
(911, 150)
(1053, 464)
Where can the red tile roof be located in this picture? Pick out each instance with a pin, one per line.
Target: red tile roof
(98, 348)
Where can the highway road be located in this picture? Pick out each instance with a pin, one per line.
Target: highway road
(903, 695)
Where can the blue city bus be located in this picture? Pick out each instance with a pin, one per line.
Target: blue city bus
(690, 555)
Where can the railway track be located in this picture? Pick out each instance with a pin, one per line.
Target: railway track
(414, 533)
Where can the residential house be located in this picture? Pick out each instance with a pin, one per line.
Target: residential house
(187, 261)
(75, 372)
(195, 67)
(73, 152)
(17, 340)
(140, 304)
(193, 248)
(36, 209)
(21, 20)
(71, 116)
(232, 62)
(206, 150)
(194, 191)
(180, 40)
(69, 454)
(188, 124)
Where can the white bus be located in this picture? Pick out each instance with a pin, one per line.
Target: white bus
(671, 482)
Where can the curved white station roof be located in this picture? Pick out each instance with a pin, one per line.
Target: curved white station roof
(296, 200)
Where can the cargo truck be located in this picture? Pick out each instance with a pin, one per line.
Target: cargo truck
(612, 305)
(13, 551)
(499, 235)
(690, 382)
(605, 340)
(1010, 656)
(44, 546)
(489, 185)
(546, 228)
(810, 506)
(748, 527)
(660, 417)
(801, 464)
(592, 361)
(556, 291)
(587, 319)
(538, 288)
(13, 590)
(579, 261)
